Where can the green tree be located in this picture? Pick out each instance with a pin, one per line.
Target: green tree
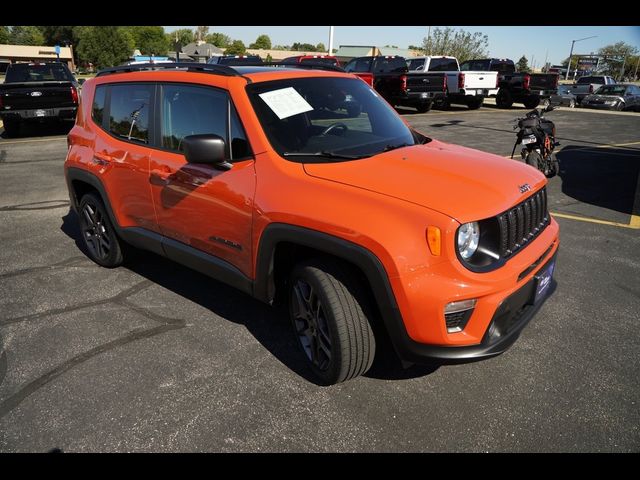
(263, 42)
(200, 33)
(269, 58)
(26, 35)
(523, 65)
(280, 47)
(150, 39)
(184, 35)
(105, 46)
(303, 47)
(5, 34)
(219, 39)
(617, 55)
(236, 48)
(457, 43)
(416, 47)
(320, 47)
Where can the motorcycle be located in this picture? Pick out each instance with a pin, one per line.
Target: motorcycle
(537, 135)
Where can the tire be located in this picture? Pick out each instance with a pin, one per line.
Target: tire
(531, 102)
(504, 99)
(544, 103)
(98, 235)
(620, 106)
(475, 104)
(424, 107)
(572, 103)
(11, 128)
(327, 312)
(534, 159)
(555, 167)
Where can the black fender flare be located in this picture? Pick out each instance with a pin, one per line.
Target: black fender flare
(78, 174)
(351, 252)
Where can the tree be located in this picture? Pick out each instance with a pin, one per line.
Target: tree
(303, 47)
(320, 47)
(105, 46)
(263, 42)
(457, 43)
(185, 36)
(150, 39)
(523, 65)
(26, 35)
(269, 58)
(416, 47)
(618, 54)
(219, 39)
(236, 48)
(5, 34)
(200, 33)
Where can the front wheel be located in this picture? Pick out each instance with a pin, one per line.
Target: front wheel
(572, 103)
(12, 128)
(532, 102)
(327, 312)
(423, 107)
(620, 106)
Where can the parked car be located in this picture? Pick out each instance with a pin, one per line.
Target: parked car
(236, 60)
(362, 227)
(530, 89)
(588, 85)
(319, 59)
(621, 96)
(36, 92)
(564, 97)
(390, 76)
(467, 88)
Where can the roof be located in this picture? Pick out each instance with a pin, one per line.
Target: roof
(202, 50)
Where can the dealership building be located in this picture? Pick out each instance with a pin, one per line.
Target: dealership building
(34, 53)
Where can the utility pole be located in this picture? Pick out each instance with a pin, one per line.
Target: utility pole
(571, 54)
(635, 75)
(624, 61)
(428, 45)
(330, 40)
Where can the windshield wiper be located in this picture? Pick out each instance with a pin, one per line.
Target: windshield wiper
(325, 154)
(395, 147)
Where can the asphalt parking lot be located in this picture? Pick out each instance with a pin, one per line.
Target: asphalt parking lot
(155, 357)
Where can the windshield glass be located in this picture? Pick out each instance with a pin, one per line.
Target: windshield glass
(327, 118)
(611, 90)
(24, 72)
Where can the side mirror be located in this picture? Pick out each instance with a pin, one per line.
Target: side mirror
(206, 148)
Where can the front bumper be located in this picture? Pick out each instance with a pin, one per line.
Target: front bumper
(39, 114)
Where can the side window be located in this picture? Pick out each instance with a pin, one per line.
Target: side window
(129, 111)
(193, 110)
(97, 109)
(359, 65)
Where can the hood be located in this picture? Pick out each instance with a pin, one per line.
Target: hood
(460, 182)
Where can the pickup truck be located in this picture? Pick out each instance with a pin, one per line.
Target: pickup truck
(588, 85)
(467, 88)
(318, 59)
(531, 89)
(37, 92)
(390, 76)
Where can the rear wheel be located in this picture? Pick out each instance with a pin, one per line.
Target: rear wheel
(532, 102)
(98, 234)
(475, 104)
(620, 106)
(504, 99)
(12, 128)
(327, 310)
(534, 159)
(424, 107)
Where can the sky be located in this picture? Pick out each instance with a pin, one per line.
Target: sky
(535, 43)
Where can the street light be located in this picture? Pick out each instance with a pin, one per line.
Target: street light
(571, 54)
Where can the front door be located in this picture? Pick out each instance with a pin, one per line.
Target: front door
(197, 204)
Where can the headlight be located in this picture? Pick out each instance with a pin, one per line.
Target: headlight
(468, 239)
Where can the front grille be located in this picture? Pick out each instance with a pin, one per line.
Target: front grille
(522, 223)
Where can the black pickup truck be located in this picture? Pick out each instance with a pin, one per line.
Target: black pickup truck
(531, 89)
(37, 92)
(390, 76)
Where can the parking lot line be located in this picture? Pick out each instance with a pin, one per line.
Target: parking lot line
(635, 220)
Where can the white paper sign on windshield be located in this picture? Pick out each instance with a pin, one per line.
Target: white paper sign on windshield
(286, 102)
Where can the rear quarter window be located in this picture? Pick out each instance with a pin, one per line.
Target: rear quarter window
(97, 108)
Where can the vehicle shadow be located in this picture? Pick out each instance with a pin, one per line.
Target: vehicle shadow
(269, 325)
(45, 129)
(605, 177)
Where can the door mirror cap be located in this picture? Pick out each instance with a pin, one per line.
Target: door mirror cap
(206, 148)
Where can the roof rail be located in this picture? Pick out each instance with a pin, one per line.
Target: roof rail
(310, 65)
(182, 66)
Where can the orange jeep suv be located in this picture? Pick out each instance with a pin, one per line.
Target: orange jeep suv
(260, 178)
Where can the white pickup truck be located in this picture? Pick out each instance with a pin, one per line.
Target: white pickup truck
(467, 88)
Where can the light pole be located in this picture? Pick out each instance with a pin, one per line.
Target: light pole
(571, 53)
(330, 40)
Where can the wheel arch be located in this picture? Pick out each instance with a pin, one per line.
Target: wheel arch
(80, 182)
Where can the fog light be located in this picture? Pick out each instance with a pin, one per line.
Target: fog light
(457, 314)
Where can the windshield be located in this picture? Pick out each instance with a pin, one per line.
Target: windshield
(611, 90)
(328, 118)
(24, 72)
